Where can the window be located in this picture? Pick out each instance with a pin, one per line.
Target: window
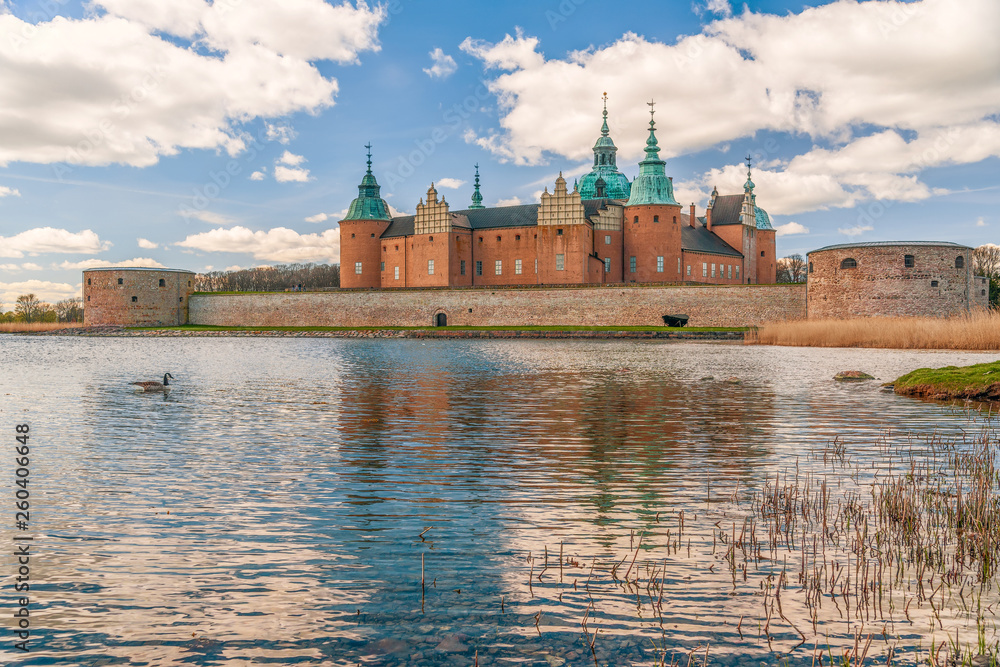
(134, 299)
(461, 268)
(357, 268)
(384, 248)
(536, 260)
(121, 281)
(480, 239)
(517, 237)
(163, 283)
(704, 270)
(352, 236)
(396, 273)
(180, 299)
(713, 270)
(430, 267)
(631, 264)
(656, 218)
(517, 267)
(479, 267)
(849, 263)
(675, 219)
(737, 271)
(607, 239)
(189, 283)
(498, 239)
(373, 235)
(908, 261)
(636, 219)
(88, 281)
(810, 267)
(678, 265)
(431, 239)
(659, 264)
(560, 262)
(499, 267)
(934, 283)
(689, 269)
(88, 298)
(761, 253)
(959, 264)
(558, 232)
(729, 273)
(381, 266)
(607, 265)
(397, 248)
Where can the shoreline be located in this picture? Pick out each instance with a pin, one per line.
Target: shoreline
(979, 382)
(432, 333)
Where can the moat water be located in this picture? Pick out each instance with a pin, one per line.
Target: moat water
(279, 504)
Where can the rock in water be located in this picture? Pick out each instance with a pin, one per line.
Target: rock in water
(848, 376)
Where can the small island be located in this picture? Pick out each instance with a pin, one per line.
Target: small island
(980, 382)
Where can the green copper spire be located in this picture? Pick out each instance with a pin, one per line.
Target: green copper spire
(748, 186)
(652, 186)
(477, 197)
(616, 185)
(369, 205)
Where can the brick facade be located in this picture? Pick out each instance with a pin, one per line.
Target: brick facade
(737, 305)
(892, 279)
(136, 297)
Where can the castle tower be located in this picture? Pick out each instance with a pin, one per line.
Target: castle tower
(758, 225)
(604, 180)
(360, 233)
(652, 229)
(477, 197)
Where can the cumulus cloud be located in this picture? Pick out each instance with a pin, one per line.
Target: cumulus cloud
(857, 230)
(284, 174)
(276, 245)
(511, 201)
(834, 73)
(443, 67)
(31, 266)
(451, 183)
(47, 239)
(283, 134)
(981, 222)
(147, 244)
(45, 290)
(719, 7)
(8, 192)
(319, 217)
(291, 159)
(101, 263)
(258, 175)
(209, 217)
(195, 72)
(790, 228)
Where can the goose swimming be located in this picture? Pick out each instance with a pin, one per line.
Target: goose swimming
(153, 385)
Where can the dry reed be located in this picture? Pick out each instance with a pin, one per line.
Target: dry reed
(977, 331)
(29, 327)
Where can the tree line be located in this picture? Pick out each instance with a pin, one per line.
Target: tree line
(28, 308)
(277, 278)
(985, 262)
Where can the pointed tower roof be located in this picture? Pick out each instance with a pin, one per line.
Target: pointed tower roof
(369, 205)
(477, 197)
(605, 166)
(652, 186)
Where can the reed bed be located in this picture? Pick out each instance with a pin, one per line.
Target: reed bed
(976, 331)
(30, 327)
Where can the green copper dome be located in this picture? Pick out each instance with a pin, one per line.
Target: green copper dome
(652, 186)
(369, 205)
(604, 180)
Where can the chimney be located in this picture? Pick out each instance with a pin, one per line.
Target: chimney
(691, 218)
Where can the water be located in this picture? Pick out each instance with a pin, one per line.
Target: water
(269, 509)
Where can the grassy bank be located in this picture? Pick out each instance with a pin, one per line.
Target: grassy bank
(443, 329)
(980, 382)
(978, 331)
(26, 327)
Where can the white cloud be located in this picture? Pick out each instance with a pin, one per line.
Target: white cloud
(719, 7)
(319, 217)
(832, 73)
(31, 266)
(790, 228)
(283, 134)
(511, 201)
(234, 267)
(195, 72)
(257, 176)
(101, 263)
(46, 239)
(291, 159)
(276, 245)
(451, 183)
(444, 65)
(209, 217)
(45, 290)
(147, 244)
(8, 192)
(981, 223)
(855, 231)
(290, 175)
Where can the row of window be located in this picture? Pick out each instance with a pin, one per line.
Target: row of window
(121, 281)
(908, 261)
(725, 271)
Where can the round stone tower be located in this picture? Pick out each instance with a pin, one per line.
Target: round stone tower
(136, 297)
(360, 231)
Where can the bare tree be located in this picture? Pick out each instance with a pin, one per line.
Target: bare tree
(271, 278)
(986, 261)
(70, 310)
(29, 308)
(791, 269)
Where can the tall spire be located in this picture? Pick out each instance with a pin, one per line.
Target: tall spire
(605, 166)
(604, 128)
(748, 186)
(652, 186)
(477, 197)
(369, 147)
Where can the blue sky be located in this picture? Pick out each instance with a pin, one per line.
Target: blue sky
(205, 136)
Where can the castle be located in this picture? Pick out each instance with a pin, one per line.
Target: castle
(606, 231)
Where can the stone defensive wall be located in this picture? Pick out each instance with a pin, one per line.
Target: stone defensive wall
(706, 305)
(136, 296)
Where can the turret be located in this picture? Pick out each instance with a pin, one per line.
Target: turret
(360, 233)
(616, 185)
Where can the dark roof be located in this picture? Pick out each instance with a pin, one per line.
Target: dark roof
(522, 215)
(727, 210)
(699, 239)
(888, 244)
(137, 268)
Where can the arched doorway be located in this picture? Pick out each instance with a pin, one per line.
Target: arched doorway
(441, 320)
